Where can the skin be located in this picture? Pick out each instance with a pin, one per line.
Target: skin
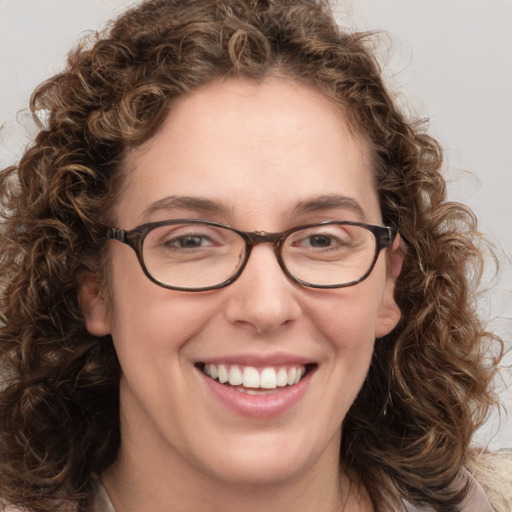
(259, 151)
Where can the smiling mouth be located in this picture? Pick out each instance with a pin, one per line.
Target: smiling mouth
(256, 381)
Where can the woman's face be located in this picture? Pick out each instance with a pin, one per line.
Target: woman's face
(259, 157)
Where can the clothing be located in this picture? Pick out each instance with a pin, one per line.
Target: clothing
(102, 502)
(492, 471)
(476, 499)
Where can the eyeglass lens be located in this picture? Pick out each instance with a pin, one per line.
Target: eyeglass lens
(195, 255)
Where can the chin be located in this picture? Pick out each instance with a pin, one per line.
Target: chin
(255, 465)
(268, 473)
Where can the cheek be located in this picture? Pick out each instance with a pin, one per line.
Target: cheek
(346, 326)
(162, 323)
(147, 320)
(349, 316)
(347, 319)
(352, 337)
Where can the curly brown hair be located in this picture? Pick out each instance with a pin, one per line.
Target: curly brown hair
(428, 386)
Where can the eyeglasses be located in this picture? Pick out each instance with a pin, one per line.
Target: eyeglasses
(198, 255)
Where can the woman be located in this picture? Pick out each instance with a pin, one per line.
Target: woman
(231, 279)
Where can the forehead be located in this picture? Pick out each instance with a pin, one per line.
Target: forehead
(250, 146)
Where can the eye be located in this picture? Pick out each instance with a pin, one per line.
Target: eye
(332, 237)
(184, 237)
(321, 241)
(191, 241)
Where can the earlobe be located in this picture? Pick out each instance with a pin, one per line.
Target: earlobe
(93, 304)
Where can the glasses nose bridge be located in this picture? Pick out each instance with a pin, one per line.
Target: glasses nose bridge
(261, 237)
(253, 238)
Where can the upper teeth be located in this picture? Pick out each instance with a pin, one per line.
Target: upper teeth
(251, 377)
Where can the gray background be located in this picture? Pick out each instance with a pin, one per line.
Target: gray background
(449, 60)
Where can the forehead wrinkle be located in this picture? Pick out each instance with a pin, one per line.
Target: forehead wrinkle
(328, 202)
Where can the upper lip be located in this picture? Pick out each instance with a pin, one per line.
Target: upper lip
(258, 360)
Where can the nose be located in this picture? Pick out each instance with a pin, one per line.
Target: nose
(263, 299)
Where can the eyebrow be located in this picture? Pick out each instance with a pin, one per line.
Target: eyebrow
(330, 201)
(200, 204)
(205, 205)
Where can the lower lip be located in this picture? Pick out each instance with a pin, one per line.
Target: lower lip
(258, 406)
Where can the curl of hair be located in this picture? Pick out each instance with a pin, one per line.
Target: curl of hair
(428, 385)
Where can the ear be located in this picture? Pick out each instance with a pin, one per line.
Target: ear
(93, 304)
(389, 313)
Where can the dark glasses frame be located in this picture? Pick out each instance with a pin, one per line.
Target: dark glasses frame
(384, 236)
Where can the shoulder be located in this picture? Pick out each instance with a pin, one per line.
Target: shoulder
(493, 471)
(489, 480)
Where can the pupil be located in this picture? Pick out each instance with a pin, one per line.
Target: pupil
(190, 241)
(320, 241)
